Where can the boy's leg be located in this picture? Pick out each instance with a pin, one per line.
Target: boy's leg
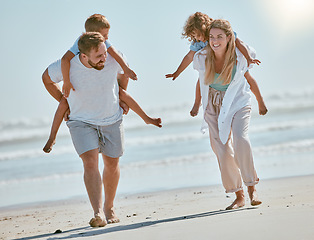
(61, 110)
(127, 98)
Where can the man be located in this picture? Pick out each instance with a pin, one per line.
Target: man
(95, 120)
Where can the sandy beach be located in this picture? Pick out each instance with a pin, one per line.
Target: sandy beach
(287, 213)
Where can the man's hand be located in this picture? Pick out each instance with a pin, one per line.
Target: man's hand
(66, 115)
(66, 88)
(124, 107)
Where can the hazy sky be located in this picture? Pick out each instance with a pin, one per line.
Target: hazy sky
(37, 32)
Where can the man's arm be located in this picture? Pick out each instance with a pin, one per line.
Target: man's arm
(54, 90)
(52, 87)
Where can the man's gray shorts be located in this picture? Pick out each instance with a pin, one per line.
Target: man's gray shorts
(108, 139)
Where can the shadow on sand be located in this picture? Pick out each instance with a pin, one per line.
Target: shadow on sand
(101, 231)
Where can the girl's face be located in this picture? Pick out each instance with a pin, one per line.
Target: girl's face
(218, 40)
(200, 37)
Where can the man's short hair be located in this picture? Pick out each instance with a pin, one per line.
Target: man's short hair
(89, 41)
(96, 22)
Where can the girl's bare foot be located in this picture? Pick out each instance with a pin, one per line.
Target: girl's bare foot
(111, 216)
(253, 196)
(194, 110)
(238, 202)
(154, 121)
(48, 147)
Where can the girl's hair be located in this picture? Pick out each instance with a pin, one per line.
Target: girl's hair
(230, 57)
(199, 22)
(96, 22)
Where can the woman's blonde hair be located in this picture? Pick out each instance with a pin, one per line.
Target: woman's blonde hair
(230, 57)
(199, 22)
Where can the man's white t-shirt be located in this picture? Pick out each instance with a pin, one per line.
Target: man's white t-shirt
(96, 96)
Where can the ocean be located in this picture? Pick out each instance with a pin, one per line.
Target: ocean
(176, 156)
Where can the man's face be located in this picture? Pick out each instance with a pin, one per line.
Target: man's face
(97, 59)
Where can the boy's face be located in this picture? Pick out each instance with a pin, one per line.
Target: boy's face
(97, 59)
(200, 37)
(104, 32)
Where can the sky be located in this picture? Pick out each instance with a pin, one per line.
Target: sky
(35, 33)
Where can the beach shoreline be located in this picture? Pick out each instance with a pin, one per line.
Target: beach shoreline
(287, 212)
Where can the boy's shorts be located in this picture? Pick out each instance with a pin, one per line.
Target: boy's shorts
(108, 139)
(54, 71)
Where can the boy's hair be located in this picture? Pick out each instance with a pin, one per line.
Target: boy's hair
(230, 57)
(96, 22)
(89, 41)
(197, 22)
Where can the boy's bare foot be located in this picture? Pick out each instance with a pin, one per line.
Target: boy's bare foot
(48, 147)
(253, 196)
(238, 202)
(154, 121)
(262, 109)
(97, 221)
(111, 216)
(194, 110)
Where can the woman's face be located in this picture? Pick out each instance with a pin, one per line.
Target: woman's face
(218, 40)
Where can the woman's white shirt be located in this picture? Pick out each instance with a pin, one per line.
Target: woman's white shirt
(237, 96)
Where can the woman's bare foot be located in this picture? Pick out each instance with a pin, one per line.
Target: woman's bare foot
(154, 121)
(253, 196)
(98, 221)
(111, 216)
(194, 110)
(238, 202)
(48, 147)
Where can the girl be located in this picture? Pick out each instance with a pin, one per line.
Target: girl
(196, 30)
(226, 102)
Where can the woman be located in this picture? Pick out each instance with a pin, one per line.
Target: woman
(227, 110)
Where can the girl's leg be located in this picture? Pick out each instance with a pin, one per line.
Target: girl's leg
(125, 97)
(255, 90)
(61, 110)
(197, 102)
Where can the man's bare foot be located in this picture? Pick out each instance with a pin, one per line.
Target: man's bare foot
(238, 202)
(253, 196)
(154, 121)
(111, 216)
(48, 147)
(98, 221)
(194, 110)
